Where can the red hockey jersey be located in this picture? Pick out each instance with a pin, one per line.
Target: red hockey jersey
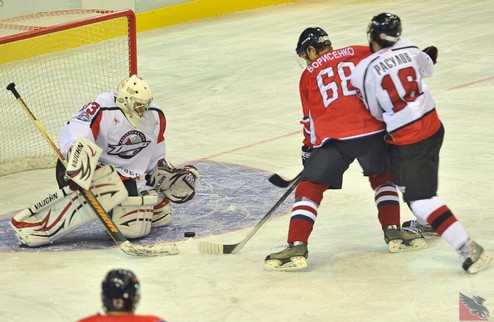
(122, 318)
(331, 107)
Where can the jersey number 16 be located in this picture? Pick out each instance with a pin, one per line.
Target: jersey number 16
(408, 80)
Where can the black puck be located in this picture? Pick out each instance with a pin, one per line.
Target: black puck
(189, 234)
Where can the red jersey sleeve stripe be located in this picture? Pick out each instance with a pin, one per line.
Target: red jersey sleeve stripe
(161, 135)
(95, 124)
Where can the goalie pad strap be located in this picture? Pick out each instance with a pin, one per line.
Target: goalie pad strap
(162, 210)
(146, 200)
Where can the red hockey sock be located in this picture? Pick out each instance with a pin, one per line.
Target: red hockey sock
(388, 205)
(308, 196)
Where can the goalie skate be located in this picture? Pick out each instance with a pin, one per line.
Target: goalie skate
(401, 240)
(292, 258)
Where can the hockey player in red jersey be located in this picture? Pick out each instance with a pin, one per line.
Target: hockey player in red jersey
(337, 130)
(120, 293)
(115, 146)
(390, 83)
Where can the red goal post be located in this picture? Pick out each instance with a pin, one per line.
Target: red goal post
(59, 60)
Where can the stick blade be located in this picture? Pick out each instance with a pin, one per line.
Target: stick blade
(206, 247)
(158, 249)
(278, 181)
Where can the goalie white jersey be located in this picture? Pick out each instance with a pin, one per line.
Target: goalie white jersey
(132, 151)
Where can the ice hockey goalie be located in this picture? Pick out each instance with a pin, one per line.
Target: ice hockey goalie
(115, 147)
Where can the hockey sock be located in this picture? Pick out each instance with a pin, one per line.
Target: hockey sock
(308, 196)
(388, 205)
(304, 214)
(442, 220)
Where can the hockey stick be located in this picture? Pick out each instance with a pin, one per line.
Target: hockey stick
(213, 248)
(117, 236)
(278, 181)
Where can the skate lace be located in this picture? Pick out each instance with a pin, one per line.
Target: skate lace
(418, 226)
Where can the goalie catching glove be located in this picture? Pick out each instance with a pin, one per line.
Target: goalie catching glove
(177, 184)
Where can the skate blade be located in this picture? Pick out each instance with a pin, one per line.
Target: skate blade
(480, 264)
(429, 234)
(397, 246)
(296, 263)
(425, 233)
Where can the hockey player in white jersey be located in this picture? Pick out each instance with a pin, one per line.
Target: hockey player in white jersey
(114, 146)
(390, 83)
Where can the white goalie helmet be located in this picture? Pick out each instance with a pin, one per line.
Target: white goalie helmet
(133, 97)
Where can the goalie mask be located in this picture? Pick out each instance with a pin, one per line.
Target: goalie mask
(134, 96)
(120, 291)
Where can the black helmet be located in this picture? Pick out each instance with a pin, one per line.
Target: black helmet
(315, 37)
(385, 29)
(120, 291)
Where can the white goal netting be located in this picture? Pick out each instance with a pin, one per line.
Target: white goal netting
(59, 61)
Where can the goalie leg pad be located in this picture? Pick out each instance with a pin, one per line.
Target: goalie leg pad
(54, 217)
(134, 216)
(162, 213)
(162, 210)
(108, 188)
(65, 210)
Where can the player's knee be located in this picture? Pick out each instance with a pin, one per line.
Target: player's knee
(310, 190)
(380, 179)
(423, 208)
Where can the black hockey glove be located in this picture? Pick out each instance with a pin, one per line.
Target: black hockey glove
(306, 152)
(432, 52)
(62, 179)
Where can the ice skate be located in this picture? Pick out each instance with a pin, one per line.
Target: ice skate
(413, 226)
(401, 240)
(474, 257)
(292, 258)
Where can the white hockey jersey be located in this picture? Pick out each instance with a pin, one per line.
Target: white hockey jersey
(131, 151)
(391, 86)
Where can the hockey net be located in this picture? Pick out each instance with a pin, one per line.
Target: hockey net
(59, 61)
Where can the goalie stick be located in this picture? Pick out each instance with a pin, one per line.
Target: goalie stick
(117, 236)
(213, 248)
(278, 181)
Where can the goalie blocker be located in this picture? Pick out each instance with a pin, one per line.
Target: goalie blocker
(65, 210)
